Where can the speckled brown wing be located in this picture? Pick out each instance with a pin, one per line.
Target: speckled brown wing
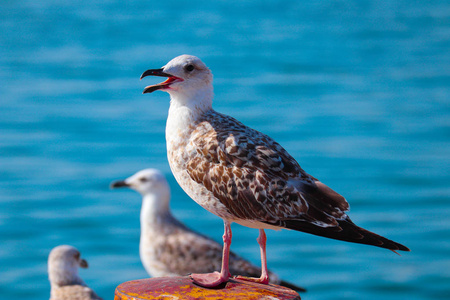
(256, 178)
(184, 251)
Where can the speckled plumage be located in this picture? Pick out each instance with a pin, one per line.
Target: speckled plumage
(167, 246)
(252, 175)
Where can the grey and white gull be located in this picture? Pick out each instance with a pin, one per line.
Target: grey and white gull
(243, 175)
(63, 264)
(169, 248)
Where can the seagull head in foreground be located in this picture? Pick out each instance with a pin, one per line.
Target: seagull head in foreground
(188, 79)
(63, 264)
(243, 175)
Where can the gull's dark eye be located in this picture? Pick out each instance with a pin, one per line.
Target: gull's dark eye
(143, 179)
(189, 68)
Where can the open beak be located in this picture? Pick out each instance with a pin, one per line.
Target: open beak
(163, 85)
(84, 264)
(118, 184)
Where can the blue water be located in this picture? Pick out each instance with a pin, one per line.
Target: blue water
(357, 91)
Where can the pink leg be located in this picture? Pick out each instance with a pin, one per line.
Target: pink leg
(264, 279)
(216, 278)
(262, 245)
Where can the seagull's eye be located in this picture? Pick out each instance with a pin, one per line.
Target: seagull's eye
(143, 179)
(189, 68)
(77, 255)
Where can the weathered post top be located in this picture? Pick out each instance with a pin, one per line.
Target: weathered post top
(183, 288)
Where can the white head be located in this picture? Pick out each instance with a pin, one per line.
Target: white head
(147, 181)
(150, 183)
(63, 264)
(189, 79)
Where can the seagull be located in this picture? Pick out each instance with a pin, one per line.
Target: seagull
(167, 246)
(243, 175)
(63, 264)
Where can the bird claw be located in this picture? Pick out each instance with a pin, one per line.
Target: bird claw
(253, 279)
(209, 279)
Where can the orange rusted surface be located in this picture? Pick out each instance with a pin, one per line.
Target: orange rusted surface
(183, 288)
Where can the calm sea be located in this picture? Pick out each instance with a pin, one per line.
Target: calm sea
(357, 91)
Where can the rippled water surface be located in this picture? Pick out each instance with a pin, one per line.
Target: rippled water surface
(357, 91)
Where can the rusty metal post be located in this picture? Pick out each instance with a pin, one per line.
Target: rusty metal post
(182, 288)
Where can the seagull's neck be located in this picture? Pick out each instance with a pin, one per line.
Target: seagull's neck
(64, 275)
(196, 99)
(154, 211)
(186, 108)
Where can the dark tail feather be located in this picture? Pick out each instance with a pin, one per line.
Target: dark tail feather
(346, 231)
(292, 286)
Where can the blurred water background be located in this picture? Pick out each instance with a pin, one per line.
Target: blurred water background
(357, 91)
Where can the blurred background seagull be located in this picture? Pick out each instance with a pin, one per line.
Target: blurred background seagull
(63, 264)
(167, 246)
(243, 175)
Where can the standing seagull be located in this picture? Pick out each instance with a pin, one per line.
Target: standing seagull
(167, 246)
(243, 175)
(63, 264)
